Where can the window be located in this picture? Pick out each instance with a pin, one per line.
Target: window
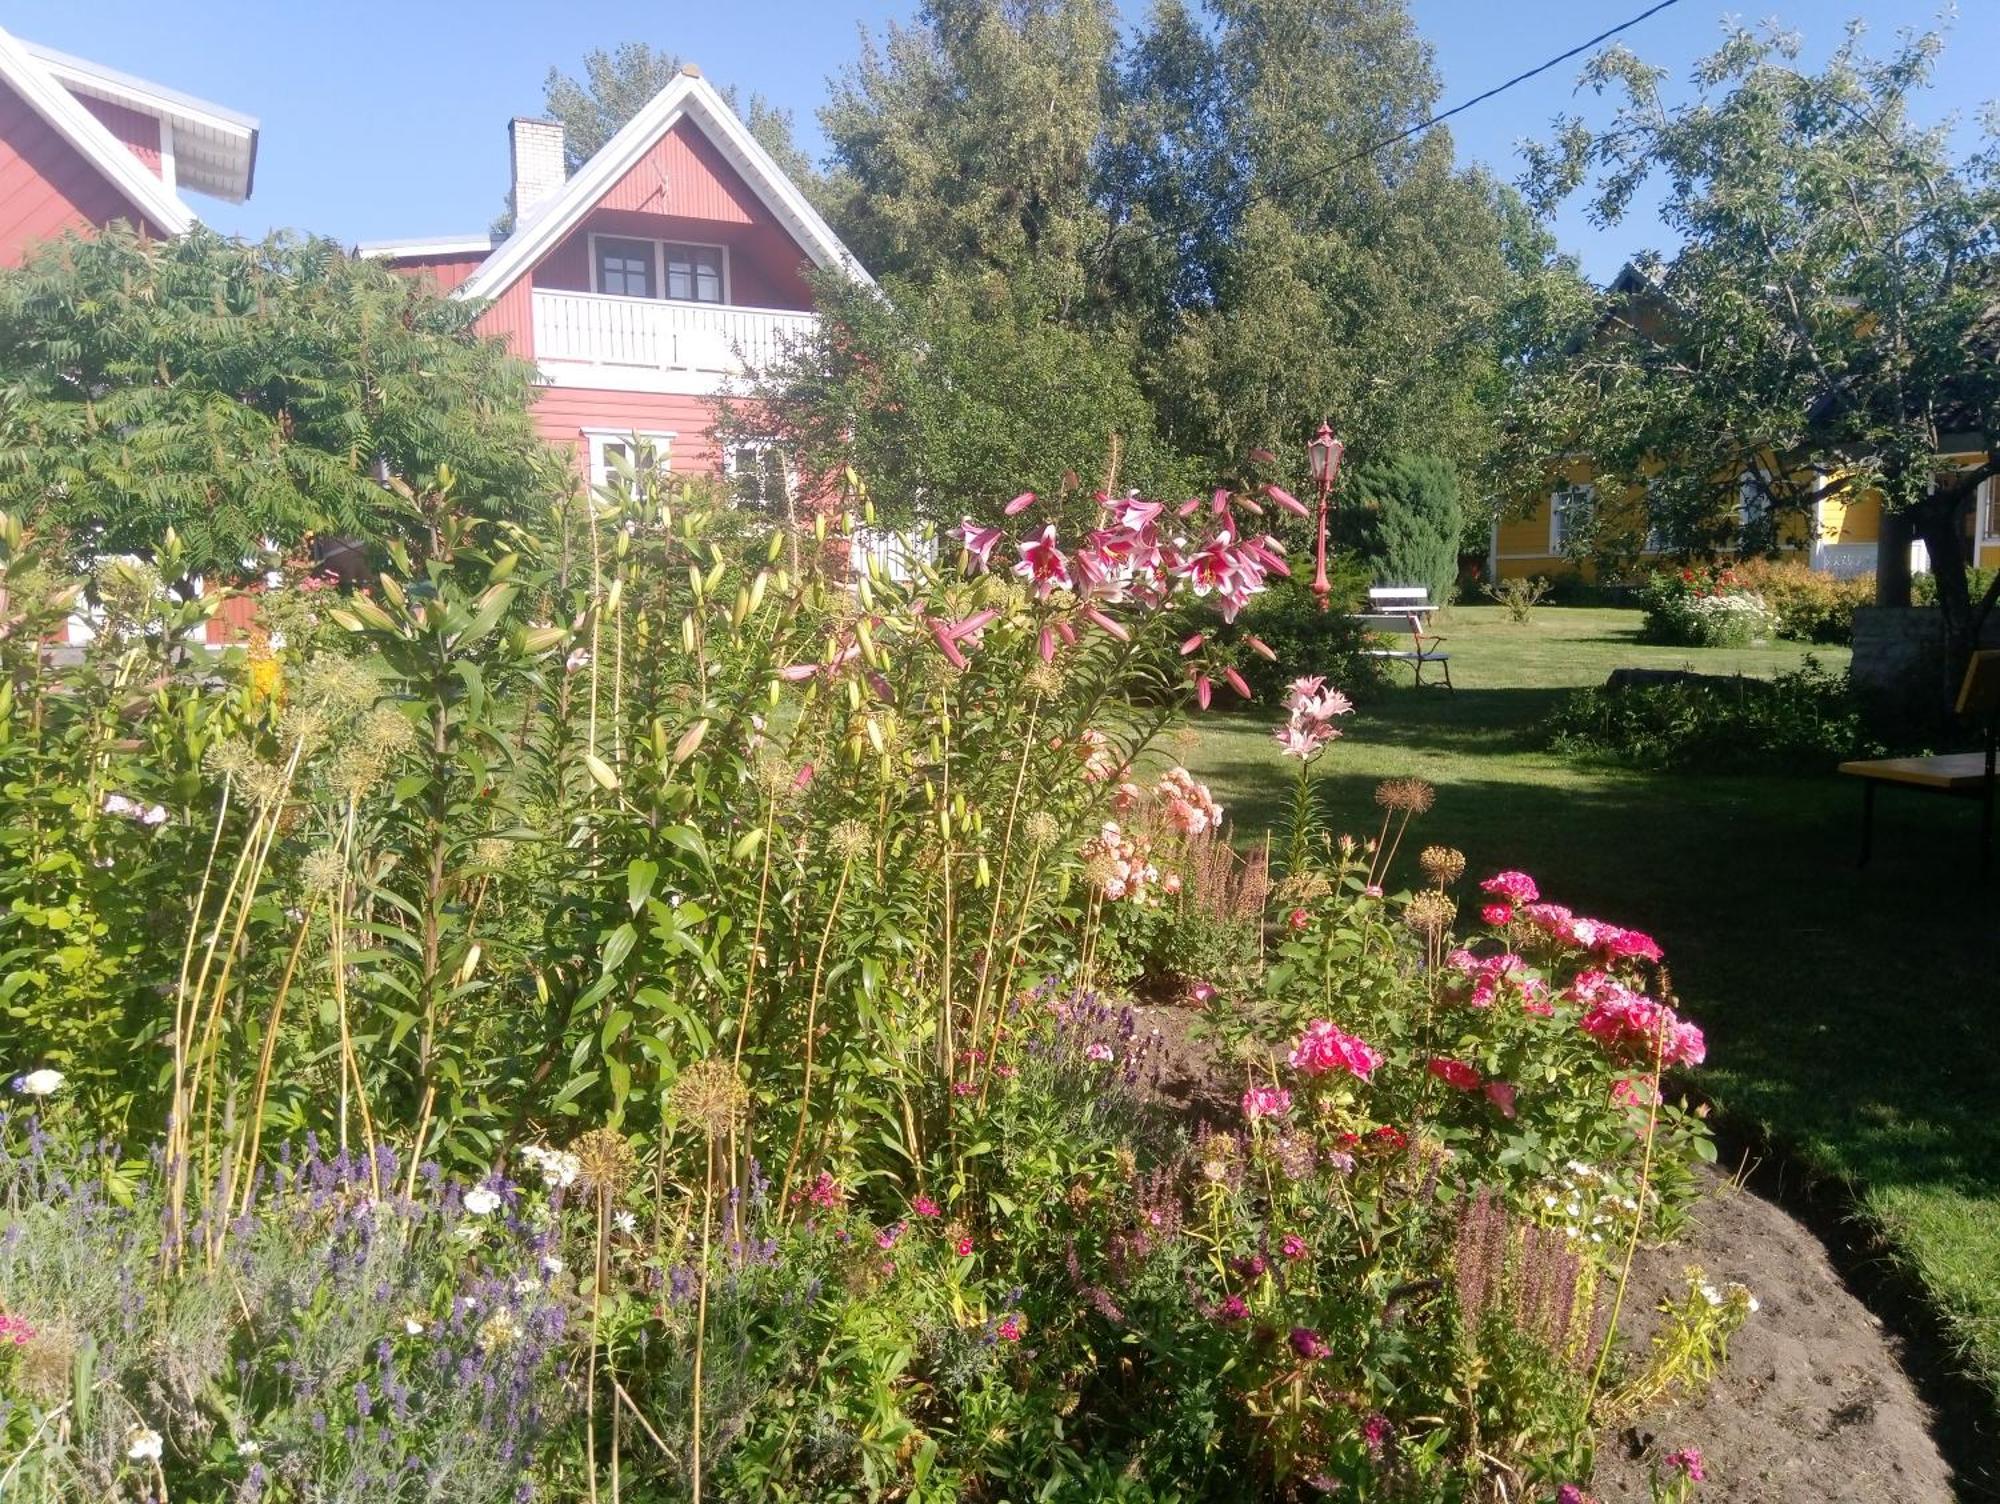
(1989, 510)
(1569, 515)
(759, 473)
(694, 273)
(625, 267)
(1753, 504)
(1656, 535)
(612, 453)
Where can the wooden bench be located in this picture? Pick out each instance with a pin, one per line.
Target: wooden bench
(1961, 775)
(1405, 610)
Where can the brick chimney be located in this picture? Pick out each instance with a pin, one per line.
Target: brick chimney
(536, 147)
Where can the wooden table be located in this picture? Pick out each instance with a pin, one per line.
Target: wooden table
(1965, 775)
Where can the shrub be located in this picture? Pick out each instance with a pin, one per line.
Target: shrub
(1409, 520)
(1520, 597)
(1305, 639)
(1702, 608)
(1807, 605)
(1804, 721)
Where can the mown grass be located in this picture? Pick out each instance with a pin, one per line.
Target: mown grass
(1851, 1014)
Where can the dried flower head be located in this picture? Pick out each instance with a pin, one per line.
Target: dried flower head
(493, 852)
(1041, 828)
(708, 1095)
(1043, 679)
(849, 839)
(322, 870)
(340, 687)
(263, 783)
(1303, 888)
(606, 1160)
(230, 758)
(1443, 865)
(1409, 796)
(304, 726)
(1430, 913)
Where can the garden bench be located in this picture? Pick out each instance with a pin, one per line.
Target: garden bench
(1963, 775)
(1405, 610)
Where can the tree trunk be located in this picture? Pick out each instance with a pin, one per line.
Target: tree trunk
(1892, 560)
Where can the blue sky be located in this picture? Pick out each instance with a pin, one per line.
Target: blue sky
(383, 119)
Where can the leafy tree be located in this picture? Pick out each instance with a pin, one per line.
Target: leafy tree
(1287, 265)
(618, 83)
(1409, 520)
(949, 401)
(1826, 329)
(242, 394)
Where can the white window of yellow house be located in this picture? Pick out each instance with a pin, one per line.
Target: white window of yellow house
(1656, 536)
(1753, 502)
(1989, 510)
(1569, 514)
(758, 474)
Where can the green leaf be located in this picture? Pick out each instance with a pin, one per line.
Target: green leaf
(639, 882)
(619, 946)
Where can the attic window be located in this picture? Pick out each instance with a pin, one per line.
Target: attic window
(625, 267)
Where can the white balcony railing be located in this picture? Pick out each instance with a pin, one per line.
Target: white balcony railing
(648, 344)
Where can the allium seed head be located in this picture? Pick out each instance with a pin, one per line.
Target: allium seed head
(1443, 865)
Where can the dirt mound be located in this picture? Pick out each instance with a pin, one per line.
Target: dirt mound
(1814, 1406)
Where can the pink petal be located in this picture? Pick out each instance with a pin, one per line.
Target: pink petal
(1193, 643)
(1286, 500)
(793, 673)
(1219, 502)
(1019, 504)
(1260, 647)
(1236, 682)
(973, 623)
(1048, 646)
(1116, 629)
(1187, 507)
(1203, 691)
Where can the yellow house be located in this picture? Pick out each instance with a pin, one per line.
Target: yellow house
(1840, 536)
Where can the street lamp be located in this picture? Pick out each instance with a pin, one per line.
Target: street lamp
(1323, 455)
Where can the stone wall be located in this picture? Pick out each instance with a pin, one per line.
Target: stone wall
(1900, 666)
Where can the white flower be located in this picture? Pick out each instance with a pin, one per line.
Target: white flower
(41, 1083)
(552, 1265)
(142, 1443)
(248, 1448)
(524, 1287)
(133, 809)
(625, 1222)
(1754, 1307)
(1710, 1294)
(481, 1202)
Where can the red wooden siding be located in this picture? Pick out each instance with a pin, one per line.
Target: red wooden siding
(446, 271)
(685, 175)
(512, 315)
(139, 133)
(562, 413)
(47, 186)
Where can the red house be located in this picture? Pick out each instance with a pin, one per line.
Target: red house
(670, 267)
(82, 146)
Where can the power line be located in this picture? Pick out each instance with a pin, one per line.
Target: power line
(1457, 109)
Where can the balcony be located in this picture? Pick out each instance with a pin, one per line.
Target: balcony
(651, 345)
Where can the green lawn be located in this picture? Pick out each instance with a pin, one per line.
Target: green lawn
(1850, 1013)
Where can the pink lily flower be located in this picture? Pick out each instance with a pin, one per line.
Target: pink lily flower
(1019, 504)
(1043, 562)
(979, 541)
(1286, 500)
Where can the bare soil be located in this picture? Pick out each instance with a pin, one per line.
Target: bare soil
(1814, 1406)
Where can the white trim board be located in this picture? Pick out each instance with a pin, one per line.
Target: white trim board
(29, 77)
(692, 96)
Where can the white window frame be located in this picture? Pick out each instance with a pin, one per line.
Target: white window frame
(1656, 541)
(1987, 508)
(1557, 498)
(598, 440)
(761, 445)
(1752, 498)
(660, 267)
